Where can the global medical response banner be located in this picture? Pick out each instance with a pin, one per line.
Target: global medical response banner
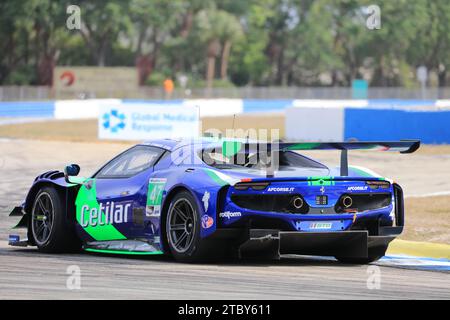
(147, 121)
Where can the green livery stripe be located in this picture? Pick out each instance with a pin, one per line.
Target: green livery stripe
(303, 146)
(123, 252)
(88, 197)
(321, 181)
(230, 148)
(217, 179)
(77, 180)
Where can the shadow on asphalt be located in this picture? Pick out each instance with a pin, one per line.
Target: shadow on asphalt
(286, 260)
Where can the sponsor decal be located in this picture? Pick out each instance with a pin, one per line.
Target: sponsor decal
(320, 225)
(205, 200)
(13, 238)
(92, 216)
(279, 189)
(106, 213)
(154, 197)
(229, 215)
(153, 211)
(357, 188)
(113, 121)
(207, 221)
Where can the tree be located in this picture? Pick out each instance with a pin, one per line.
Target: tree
(50, 33)
(214, 26)
(14, 39)
(102, 22)
(152, 24)
(387, 48)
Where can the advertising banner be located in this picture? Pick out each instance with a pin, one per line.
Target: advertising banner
(147, 121)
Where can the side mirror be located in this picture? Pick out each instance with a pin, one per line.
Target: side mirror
(71, 170)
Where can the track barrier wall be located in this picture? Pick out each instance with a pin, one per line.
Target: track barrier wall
(382, 119)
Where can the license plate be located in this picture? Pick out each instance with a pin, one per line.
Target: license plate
(320, 225)
(322, 200)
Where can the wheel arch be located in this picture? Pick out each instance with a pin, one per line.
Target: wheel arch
(165, 208)
(66, 238)
(68, 195)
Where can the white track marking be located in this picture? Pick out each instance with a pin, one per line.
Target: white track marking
(426, 195)
(420, 263)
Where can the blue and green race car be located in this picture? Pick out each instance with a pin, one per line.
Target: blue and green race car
(207, 199)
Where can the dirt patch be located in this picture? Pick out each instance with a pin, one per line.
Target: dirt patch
(427, 219)
(62, 130)
(86, 130)
(269, 121)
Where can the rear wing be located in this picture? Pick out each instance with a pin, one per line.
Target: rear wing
(402, 146)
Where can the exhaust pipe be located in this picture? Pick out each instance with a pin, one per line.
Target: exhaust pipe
(347, 201)
(297, 202)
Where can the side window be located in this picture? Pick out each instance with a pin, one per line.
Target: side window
(131, 162)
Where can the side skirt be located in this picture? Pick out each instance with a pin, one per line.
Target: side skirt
(131, 247)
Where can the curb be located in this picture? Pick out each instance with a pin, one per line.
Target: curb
(419, 249)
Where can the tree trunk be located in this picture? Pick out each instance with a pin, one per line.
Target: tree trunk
(100, 54)
(442, 78)
(213, 51)
(442, 81)
(187, 24)
(210, 71)
(45, 69)
(144, 64)
(225, 57)
(280, 68)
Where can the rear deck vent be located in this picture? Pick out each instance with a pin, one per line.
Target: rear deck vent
(286, 203)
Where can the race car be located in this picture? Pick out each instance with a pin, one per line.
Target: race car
(207, 199)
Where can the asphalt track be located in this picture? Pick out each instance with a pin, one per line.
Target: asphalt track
(26, 273)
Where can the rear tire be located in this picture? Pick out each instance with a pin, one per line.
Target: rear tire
(51, 231)
(183, 230)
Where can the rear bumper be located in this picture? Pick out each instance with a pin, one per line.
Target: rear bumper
(352, 244)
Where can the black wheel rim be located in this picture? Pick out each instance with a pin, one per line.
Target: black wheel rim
(181, 225)
(42, 218)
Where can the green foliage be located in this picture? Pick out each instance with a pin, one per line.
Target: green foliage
(252, 42)
(156, 79)
(217, 83)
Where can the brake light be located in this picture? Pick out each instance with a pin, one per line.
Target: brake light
(378, 184)
(257, 186)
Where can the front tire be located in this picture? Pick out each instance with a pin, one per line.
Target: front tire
(51, 231)
(183, 230)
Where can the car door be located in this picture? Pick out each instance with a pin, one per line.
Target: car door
(121, 193)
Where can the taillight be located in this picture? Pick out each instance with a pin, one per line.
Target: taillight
(257, 186)
(378, 184)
